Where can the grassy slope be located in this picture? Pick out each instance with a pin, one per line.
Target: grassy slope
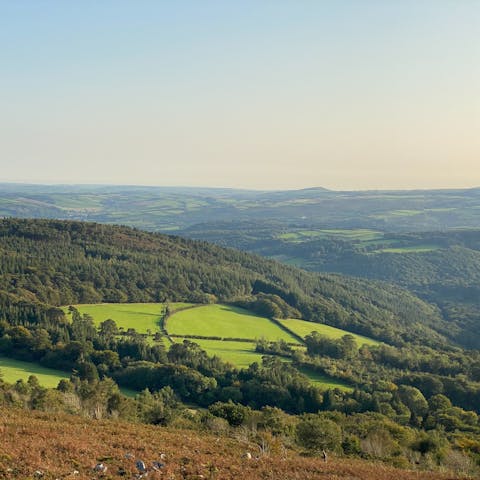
(240, 354)
(303, 328)
(411, 249)
(216, 320)
(13, 370)
(226, 322)
(346, 234)
(323, 382)
(140, 316)
(34, 441)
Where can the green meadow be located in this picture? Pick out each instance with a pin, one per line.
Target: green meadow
(240, 354)
(392, 214)
(324, 382)
(303, 328)
(409, 249)
(13, 370)
(226, 322)
(359, 234)
(143, 317)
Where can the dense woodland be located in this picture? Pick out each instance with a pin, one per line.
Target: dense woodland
(414, 400)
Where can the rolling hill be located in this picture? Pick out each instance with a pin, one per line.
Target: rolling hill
(411, 394)
(51, 263)
(176, 208)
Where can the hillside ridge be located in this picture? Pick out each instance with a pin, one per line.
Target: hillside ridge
(54, 262)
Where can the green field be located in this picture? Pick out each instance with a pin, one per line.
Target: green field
(322, 381)
(13, 370)
(303, 328)
(406, 213)
(225, 322)
(359, 234)
(240, 354)
(397, 213)
(81, 202)
(410, 249)
(140, 316)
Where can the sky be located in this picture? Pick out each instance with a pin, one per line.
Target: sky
(344, 94)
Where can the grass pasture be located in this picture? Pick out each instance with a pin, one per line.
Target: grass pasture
(393, 214)
(226, 322)
(240, 354)
(13, 370)
(358, 234)
(409, 249)
(324, 382)
(303, 328)
(140, 316)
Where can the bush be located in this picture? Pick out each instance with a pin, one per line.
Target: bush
(316, 433)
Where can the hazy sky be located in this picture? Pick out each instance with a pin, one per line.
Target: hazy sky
(258, 94)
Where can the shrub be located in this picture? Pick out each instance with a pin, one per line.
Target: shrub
(316, 433)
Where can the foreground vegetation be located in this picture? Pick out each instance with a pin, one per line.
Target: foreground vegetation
(33, 442)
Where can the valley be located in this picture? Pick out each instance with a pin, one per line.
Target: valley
(249, 344)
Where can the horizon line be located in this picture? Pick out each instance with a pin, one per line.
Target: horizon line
(244, 189)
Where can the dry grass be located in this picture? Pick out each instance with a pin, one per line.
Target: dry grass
(57, 445)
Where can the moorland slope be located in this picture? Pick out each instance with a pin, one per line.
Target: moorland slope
(57, 446)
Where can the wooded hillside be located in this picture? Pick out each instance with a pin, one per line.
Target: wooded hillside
(55, 263)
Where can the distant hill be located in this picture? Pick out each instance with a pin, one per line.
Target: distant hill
(173, 208)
